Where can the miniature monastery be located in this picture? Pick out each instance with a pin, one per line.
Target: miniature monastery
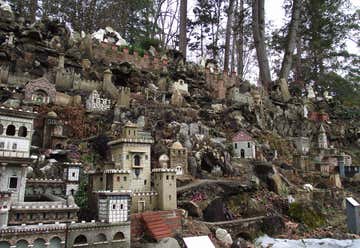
(130, 169)
(38, 212)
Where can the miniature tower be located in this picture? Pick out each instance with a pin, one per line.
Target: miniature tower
(53, 132)
(179, 158)
(114, 206)
(71, 177)
(165, 185)
(322, 138)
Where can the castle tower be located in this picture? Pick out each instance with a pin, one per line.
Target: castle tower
(107, 77)
(322, 138)
(179, 158)
(53, 132)
(61, 62)
(165, 185)
(71, 177)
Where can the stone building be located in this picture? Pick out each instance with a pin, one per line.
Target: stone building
(40, 91)
(243, 145)
(130, 169)
(178, 158)
(181, 86)
(53, 132)
(95, 103)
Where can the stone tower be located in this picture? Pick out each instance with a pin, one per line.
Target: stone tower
(179, 158)
(165, 185)
(114, 206)
(322, 138)
(71, 177)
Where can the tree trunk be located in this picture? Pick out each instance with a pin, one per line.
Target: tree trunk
(32, 9)
(240, 43)
(291, 41)
(182, 33)
(228, 35)
(258, 16)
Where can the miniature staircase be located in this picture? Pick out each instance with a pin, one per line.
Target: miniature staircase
(156, 226)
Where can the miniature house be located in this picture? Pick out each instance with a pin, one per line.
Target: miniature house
(243, 145)
(53, 137)
(95, 103)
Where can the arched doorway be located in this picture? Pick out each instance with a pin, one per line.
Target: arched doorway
(119, 236)
(39, 243)
(55, 242)
(242, 153)
(40, 96)
(22, 244)
(100, 237)
(81, 239)
(4, 244)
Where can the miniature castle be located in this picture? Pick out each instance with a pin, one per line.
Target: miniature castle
(130, 169)
(45, 213)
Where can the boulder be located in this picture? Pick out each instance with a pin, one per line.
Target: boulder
(193, 209)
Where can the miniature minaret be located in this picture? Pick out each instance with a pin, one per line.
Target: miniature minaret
(322, 139)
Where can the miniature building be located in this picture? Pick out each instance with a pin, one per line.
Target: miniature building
(71, 177)
(165, 185)
(28, 223)
(302, 145)
(322, 138)
(95, 103)
(40, 91)
(16, 129)
(244, 145)
(53, 132)
(181, 86)
(114, 206)
(178, 158)
(131, 170)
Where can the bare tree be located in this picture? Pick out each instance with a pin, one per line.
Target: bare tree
(291, 40)
(240, 42)
(258, 16)
(182, 33)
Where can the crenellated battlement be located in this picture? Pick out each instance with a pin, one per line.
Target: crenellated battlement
(220, 81)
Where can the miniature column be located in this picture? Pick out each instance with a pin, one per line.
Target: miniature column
(353, 215)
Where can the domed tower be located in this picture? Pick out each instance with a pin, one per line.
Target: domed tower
(179, 158)
(164, 161)
(322, 138)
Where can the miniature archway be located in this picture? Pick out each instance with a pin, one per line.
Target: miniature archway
(242, 153)
(40, 96)
(55, 242)
(4, 244)
(10, 130)
(22, 131)
(81, 239)
(119, 236)
(100, 237)
(39, 243)
(22, 244)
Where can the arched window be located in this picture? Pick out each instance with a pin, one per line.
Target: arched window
(2, 145)
(22, 131)
(22, 244)
(119, 236)
(137, 160)
(10, 130)
(40, 96)
(100, 237)
(14, 146)
(1, 129)
(39, 243)
(4, 244)
(55, 243)
(81, 239)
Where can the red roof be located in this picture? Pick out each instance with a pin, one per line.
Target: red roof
(241, 136)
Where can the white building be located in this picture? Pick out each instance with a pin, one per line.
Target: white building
(243, 145)
(322, 138)
(95, 103)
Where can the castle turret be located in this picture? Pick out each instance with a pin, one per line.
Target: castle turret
(179, 158)
(165, 186)
(322, 138)
(71, 177)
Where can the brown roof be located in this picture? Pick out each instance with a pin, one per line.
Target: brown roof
(241, 136)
